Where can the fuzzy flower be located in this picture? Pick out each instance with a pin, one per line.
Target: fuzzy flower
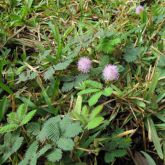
(110, 73)
(139, 9)
(84, 64)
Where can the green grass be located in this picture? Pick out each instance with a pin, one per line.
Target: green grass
(114, 122)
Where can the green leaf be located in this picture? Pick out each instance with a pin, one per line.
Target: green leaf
(95, 122)
(88, 91)
(104, 61)
(107, 45)
(43, 150)
(21, 111)
(8, 128)
(94, 98)
(65, 144)
(80, 78)
(62, 66)
(28, 117)
(78, 105)
(30, 154)
(96, 111)
(107, 91)
(33, 128)
(140, 103)
(152, 86)
(55, 155)
(67, 86)
(12, 118)
(5, 88)
(29, 3)
(4, 103)
(12, 142)
(154, 137)
(49, 73)
(161, 62)
(72, 130)
(85, 111)
(131, 53)
(148, 158)
(94, 84)
(109, 157)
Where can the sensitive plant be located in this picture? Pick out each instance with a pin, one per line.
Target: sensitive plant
(54, 110)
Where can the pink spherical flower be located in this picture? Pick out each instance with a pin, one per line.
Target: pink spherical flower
(84, 64)
(110, 73)
(139, 9)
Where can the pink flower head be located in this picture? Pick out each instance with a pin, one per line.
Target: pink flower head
(110, 73)
(84, 64)
(139, 9)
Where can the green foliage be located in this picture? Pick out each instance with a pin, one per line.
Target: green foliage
(90, 120)
(30, 154)
(65, 144)
(72, 82)
(45, 103)
(55, 155)
(132, 53)
(4, 103)
(58, 132)
(116, 147)
(153, 135)
(12, 143)
(60, 66)
(94, 122)
(17, 119)
(90, 87)
(108, 45)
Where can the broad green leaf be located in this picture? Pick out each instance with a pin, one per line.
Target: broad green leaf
(28, 117)
(148, 158)
(107, 91)
(96, 111)
(154, 137)
(65, 144)
(94, 98)
(94, 84)
(95, 122)
(78, 105)
(88, 91)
